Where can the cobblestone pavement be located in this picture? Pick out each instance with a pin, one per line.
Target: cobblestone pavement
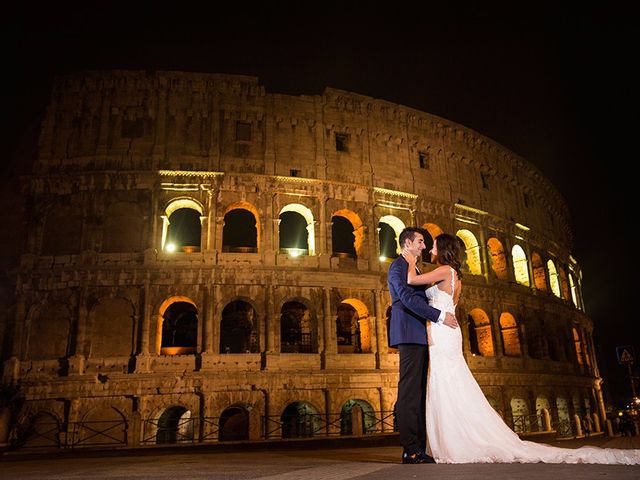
(344, 460)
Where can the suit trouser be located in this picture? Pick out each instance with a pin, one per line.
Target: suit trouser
(412, 392)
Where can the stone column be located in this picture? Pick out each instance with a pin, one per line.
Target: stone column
(209, 310)
(330, 338)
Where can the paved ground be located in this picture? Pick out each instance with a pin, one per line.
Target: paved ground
(327, 460)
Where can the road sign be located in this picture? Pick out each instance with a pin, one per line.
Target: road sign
(625, 354)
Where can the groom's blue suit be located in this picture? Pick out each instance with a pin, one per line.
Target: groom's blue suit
(410, 309)
(407, 331)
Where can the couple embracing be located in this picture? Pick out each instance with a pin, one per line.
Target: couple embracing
(441, 412)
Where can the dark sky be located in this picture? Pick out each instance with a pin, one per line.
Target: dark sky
(551, 83)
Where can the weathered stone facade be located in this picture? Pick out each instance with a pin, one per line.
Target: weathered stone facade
(234, 336)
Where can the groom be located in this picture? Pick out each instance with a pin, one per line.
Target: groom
(407, 332)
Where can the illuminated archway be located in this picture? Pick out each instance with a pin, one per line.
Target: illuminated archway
(358, 229)
(307, 237)
(182, 225)
(389, 247)
(510, 335)
(574, 290)
(553, 278)
(433, 231)
(177, 326)
(480, 334)
(472, 251)
(352, 327)
(539, 275)
(498, 258)
(520, 265)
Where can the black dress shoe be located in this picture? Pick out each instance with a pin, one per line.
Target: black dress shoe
(417, 458)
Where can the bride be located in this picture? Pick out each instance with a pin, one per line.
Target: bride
(462, 427)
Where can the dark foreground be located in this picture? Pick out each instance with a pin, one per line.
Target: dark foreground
(338, 460)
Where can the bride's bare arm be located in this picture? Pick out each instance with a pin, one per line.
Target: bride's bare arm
(413, 278)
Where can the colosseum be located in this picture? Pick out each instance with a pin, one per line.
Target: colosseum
(206, 261)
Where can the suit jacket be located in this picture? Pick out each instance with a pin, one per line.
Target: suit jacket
(409, 309)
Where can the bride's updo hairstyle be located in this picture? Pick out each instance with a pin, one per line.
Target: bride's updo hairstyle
(449, 252)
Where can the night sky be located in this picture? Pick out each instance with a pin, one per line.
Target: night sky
(551, 83)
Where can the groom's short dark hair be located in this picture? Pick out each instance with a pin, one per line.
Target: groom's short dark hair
(409, 233)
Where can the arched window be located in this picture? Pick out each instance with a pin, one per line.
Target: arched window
(299, 419)
(297, 334)
(539, 275)
(234, 424)
(574, 290)
(239, 234)
(182, 226)
(498, 258)
(389, 228)
(564, 283)
(471, 250)
(357, 418)
(238, 332)
(175, 425)
(480, 333)
(520, 411)
(342, 237)
(510, 336)
(520, 265)
(352, 327)
(553, 278)
(179, 329)
(296, 231)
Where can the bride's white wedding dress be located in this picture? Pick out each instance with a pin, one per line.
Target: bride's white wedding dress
(462, 427)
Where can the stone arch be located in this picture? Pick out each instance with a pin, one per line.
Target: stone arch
(241, 230)
(293, 241)
(234, 423)
(577, 342)
(300, 419)
(239, 328)
(112, 323)
(431, 232)
(353, 327)
(102, 426)
(564, 283)
(182, 225)
(480, 335)
(510, 335)
(539, 275)
(520, 415)
(574, 290)
(175, 425)
(553, 278)
(297, 327)
(177, 326)
(471, 250)
(358, 229)
(542, 405)
(42, 429)
(520, 265)
(498, 258)
(357, 417)
(389, 229)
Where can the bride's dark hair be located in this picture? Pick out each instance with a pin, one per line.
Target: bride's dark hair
(449, 252)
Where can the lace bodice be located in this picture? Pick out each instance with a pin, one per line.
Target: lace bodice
(440, 299)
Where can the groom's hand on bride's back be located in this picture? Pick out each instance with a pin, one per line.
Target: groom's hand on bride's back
(450, 320)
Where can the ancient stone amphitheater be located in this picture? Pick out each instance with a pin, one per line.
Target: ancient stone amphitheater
(206, 261)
